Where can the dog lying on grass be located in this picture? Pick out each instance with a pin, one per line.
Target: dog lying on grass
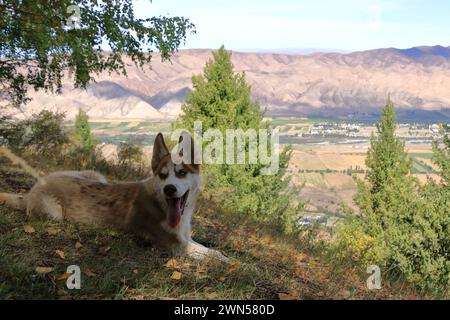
(158, 209)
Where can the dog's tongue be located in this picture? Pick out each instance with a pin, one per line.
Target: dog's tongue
(174, 215)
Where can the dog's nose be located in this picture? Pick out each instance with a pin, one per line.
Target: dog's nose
(169, 190)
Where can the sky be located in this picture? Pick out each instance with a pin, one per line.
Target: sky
(343, 25)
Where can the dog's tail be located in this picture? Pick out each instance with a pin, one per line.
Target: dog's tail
(12, 200)
(17, 201)
(20, 162)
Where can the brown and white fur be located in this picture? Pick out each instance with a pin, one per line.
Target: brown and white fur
(159, 209)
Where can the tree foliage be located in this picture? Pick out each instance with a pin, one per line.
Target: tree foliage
(82, 134)
(42, 134)
(38, 44)
(221, 100)
(409, 223)
(442, 155)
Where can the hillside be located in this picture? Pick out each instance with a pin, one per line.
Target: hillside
(322, 84)
(116, 265)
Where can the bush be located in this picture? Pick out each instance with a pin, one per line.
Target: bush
(410, 221)
(42, 135)
(354, 246)
(44, 138)
(129, 154)
(130, 161)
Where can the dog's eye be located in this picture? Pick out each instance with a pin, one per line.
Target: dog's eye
(182, 173)
(162, 176)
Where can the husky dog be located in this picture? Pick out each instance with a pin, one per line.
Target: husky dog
(158, 209)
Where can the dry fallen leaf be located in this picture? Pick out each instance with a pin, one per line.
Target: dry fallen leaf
(288, 296)
(64, 276)
(89, 273)
(44, 270)
(104, 250)
(52, 231)
(136, 271)
(61, 292)
(212, 295)
(176, 275)
(28, 229)
(186, 265)
(172, 263)
(222, 279)
(60, 254)
(78, 245)
(233, 266)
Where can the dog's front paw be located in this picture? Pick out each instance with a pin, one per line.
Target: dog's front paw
(200, 252)
(218, 255)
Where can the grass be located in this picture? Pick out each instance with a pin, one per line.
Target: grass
(117, 265)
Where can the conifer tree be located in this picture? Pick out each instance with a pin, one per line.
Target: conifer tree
(389, 183)
(83, 136)
(222, 100)
(410, 225)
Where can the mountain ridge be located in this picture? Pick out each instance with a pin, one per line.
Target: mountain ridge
(344, 84)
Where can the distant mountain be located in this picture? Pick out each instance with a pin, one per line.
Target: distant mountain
(335, 85)
(101, 100)
(294, 51)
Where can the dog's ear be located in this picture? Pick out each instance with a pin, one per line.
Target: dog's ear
(188, 144)
(159, 151)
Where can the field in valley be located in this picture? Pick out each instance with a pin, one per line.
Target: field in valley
(327, 172)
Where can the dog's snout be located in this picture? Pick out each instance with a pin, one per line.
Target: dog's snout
(170, 190)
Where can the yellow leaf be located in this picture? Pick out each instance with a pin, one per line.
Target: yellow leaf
(176, 275)
(52, 231)
(287, 296)
(222, 279)
(172, 263)
(60, 254)
(78, 245)
(233, 266)
(64, 276)
(28, 229)
(44, 270)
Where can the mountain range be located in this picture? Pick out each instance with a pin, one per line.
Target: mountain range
(334, 85)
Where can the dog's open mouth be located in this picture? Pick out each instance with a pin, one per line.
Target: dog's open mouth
(176, 209)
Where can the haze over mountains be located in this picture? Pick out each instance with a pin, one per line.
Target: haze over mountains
(335, 85)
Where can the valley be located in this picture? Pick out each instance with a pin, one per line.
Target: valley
(326, 158)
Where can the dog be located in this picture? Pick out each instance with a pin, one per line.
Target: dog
(158, 209)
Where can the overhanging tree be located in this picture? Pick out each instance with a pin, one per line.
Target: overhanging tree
(38, 43)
